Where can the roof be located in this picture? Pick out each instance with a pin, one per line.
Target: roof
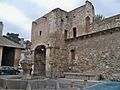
(8, 43)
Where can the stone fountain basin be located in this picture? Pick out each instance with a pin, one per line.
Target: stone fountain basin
(14, 82)
(21, 84)
(105, 86)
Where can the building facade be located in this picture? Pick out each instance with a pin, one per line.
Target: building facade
(73, 42)
(9, 51)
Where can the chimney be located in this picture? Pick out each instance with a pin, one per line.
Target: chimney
(1, 28)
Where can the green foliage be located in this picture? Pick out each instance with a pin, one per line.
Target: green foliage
(14, 37)
(98, 18)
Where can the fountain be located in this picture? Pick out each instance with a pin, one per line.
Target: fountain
(26, 64)
(26, 82)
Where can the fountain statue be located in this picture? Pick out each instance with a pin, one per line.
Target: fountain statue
(26, 64)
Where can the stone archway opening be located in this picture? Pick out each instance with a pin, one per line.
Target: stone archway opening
(40, 60)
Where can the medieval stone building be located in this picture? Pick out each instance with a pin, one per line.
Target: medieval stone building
(73, 42)
(9, 51)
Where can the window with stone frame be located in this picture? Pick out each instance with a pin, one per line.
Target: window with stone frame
(87, 19)
(65, 34)
(74, 32)
(72, 54)
(40, 33)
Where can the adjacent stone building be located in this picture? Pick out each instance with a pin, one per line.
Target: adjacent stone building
(9, 51)
(73, 42)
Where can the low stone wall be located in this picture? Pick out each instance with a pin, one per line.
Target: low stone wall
(45, 84)
(80, 76)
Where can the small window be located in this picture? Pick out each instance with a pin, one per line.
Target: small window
(74, 32)
(40, 33)
(72, 54)
(65, 34)
(61, 20)
(87, 23)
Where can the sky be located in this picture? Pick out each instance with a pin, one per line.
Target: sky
(17, 15)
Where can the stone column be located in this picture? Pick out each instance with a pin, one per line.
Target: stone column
(17, 57)
(48, 59)
(35, 72)
(33, 58)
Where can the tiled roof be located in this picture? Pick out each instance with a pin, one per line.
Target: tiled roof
(8, 43)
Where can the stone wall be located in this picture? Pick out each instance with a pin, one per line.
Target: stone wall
(105, 24)
(43, 24)
(96, 49)
(49, 31)
(51, 37)
(60, 20)
(77, 18)
(96, 53)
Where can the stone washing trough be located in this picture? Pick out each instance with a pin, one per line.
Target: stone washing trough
(15, 83)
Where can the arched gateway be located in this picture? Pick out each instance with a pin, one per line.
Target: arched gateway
(40, 60)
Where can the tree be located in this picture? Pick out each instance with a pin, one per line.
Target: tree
(28, 44)
(14, 37)
(98, 18)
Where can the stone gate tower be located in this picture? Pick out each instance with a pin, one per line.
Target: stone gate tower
(49, 33)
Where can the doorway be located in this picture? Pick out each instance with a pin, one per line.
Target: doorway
(8, 56)
(40, 60)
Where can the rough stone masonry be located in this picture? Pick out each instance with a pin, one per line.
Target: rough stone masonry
(73, 42)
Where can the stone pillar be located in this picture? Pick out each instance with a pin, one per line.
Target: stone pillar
(17, 57)
(48, 59)
(1, 51)
(35, 72)
(33, 52)
(36, 62)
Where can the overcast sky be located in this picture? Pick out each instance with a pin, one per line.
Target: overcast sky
(17, 15)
